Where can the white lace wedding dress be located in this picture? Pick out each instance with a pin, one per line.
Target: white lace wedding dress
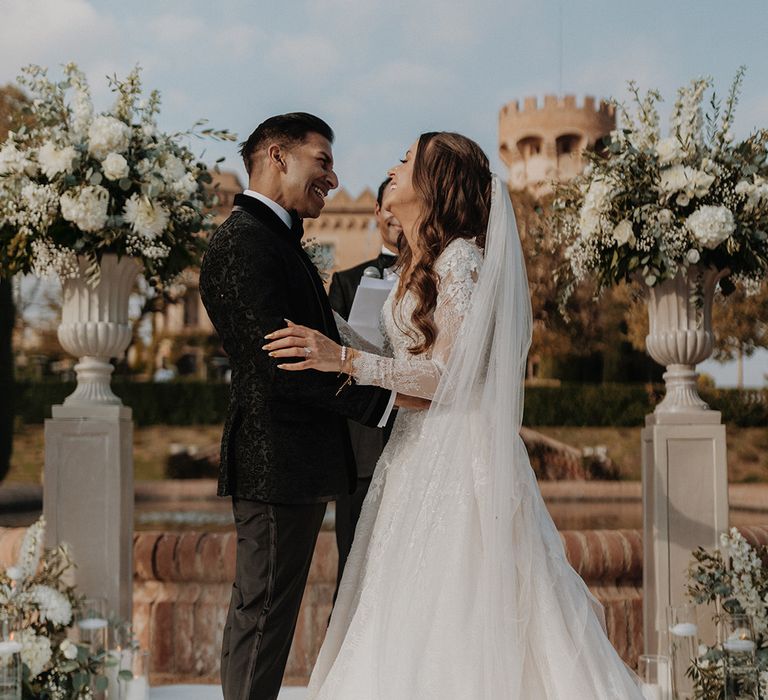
(457, 585)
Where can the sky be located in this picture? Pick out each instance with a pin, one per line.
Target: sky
(382, 72)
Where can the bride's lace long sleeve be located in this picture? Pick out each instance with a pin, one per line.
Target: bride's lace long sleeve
(420, 375)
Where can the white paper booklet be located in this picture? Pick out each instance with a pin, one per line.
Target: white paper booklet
(366, 308)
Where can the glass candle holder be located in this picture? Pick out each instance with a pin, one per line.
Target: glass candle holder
(10, 670)
(92, 624)
(739, 645)
(655, 676)
(137, 688)
(682, 623)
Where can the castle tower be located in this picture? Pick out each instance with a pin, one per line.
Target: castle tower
(540, 144)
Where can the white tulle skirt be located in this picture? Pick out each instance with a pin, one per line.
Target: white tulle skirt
(429, 609)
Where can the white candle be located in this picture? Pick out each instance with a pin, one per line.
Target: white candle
(651, 691)
(137, 689)
(684, 629)
(111, 671)
(8, 648)
(739, 645)
(92, 623)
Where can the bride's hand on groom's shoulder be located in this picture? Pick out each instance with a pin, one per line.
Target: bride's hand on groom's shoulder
(317, 351)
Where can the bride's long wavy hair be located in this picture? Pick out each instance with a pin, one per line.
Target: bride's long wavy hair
(452, 175)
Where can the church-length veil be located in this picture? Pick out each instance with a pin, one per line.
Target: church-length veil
(461, 587)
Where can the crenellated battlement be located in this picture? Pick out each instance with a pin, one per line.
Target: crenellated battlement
(553, 103)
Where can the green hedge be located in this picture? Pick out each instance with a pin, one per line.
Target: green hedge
(191, 403)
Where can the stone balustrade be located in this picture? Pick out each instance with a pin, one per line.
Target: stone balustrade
(182, 583)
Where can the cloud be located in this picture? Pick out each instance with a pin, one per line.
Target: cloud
(51, 32)
(302, 56)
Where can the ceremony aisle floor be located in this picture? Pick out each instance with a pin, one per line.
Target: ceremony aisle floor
(211, 692)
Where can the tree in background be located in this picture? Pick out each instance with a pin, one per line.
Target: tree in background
(12, 103)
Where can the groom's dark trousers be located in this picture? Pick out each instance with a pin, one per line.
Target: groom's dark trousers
(285, 450)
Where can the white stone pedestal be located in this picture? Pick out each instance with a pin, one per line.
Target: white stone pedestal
(685, 505)
(88, 497)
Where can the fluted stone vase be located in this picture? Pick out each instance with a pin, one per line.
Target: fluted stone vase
(680, 334)
(95, 327)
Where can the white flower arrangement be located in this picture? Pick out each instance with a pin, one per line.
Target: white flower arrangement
(650, 206)
(75, 183)
(34, 593)
(734, 579)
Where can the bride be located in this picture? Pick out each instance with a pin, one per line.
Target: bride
(457, 586)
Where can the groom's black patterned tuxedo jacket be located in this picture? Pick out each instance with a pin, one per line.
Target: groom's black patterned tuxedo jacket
(285, 438)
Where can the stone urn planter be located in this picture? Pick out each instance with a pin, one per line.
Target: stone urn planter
(680, 334)
(95, 327)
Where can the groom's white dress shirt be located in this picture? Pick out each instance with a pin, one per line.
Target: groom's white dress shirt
(285, 217)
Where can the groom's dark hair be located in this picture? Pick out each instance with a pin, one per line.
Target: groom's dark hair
(285, 129)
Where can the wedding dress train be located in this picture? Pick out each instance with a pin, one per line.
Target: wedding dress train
(457, 585)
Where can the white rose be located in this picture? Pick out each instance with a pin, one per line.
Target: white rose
(702, 182)
(68, 649)
(711, 225)
(674, 178)
(54, 160)
(669, 150)
(623, 233)
(107, 135)
(115, 167)
(147, 219)
(87, 209)
(692, 256)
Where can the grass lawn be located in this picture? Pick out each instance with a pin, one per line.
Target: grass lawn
(747, 449)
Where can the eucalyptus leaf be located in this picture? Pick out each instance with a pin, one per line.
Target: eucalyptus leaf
(125, 184)
(100, 683)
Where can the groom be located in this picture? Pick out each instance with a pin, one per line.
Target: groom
(285, 451)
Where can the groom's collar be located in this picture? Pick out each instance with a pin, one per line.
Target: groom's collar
(270, 213)
(285, 217)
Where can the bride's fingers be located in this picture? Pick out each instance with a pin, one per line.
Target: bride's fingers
(299, 331)
(289, 352)
(296, 366)
(290, 341)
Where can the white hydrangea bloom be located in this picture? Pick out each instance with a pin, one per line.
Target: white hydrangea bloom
(186, 186)
(596, 201)
(711, 225)
(756, 192)
(87, 209)
(115, 167)
(54, 160)
(173, 169)
(36, 651)
(147, 219)
(107, 135)
(53, 606)
(16, 162)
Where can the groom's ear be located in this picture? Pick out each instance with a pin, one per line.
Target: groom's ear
(275, 155)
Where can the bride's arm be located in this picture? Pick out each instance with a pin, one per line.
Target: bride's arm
(419, 376)
(414, 376)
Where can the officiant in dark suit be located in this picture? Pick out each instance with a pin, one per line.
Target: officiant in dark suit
(285, 449)
(367, 442)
